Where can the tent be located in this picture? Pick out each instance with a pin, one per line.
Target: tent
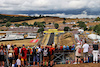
(81, 30)
(98, 37)
(76, 36)
(93, 36)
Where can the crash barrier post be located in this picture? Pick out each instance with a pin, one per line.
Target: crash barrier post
(60, 57)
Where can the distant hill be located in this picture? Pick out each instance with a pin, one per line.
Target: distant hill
(15, 15)
(58, 20)
(15, 18)
(30, 20)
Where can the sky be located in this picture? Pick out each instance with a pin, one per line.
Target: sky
(90, 8)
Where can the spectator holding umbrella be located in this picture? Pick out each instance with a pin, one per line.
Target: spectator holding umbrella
(95, 52)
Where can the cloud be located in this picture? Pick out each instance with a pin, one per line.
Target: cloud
(48, 4)
(63, 15)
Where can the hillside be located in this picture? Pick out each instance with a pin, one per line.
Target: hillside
(66, 39)
(15, 15)
(54, 20)
(15, 18)
(46, 19)
(18, 19)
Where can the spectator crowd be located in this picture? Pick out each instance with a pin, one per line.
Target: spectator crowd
(21, 56)
(87, 53)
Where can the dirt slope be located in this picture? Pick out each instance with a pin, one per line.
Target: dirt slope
(78, 65)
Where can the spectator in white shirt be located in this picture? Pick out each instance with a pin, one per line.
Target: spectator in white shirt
(8, 46)
(18, 61)
(85, 52)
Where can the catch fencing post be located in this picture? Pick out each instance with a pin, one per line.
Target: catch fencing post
(7, 57)
(29, 58)
(40, 58)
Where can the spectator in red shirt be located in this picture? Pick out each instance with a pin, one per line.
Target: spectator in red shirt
(61, 47)
(24, 55)
(51, 50)
(16, 52)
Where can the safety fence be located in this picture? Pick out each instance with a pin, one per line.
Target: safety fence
(60, 56)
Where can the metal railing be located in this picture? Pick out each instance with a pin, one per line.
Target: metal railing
(58, 57)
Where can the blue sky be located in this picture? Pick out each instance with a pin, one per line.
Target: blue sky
(87, 7)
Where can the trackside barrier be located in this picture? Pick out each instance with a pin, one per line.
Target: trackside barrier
(59, 57)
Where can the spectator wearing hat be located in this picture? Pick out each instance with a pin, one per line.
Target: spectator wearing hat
(45, 56)
(85, 52)
(24, 55)
(95, 52)
(28, 54)
(78, 53)
(36, 55)
(64, 47)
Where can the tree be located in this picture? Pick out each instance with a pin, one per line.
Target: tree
(66, 28)
(25, 24)
(31, 25)
(64, 22)
(97, 19)
(82, 25)
(35, 23)
(74, 26)
(43, 22)
(40, 16)
(40, 24)
(90, 29)
(40, 30)
(56, 25)
(64, 18)
(49, 23)
(97, 29)
(17, 25)
(8, 24)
